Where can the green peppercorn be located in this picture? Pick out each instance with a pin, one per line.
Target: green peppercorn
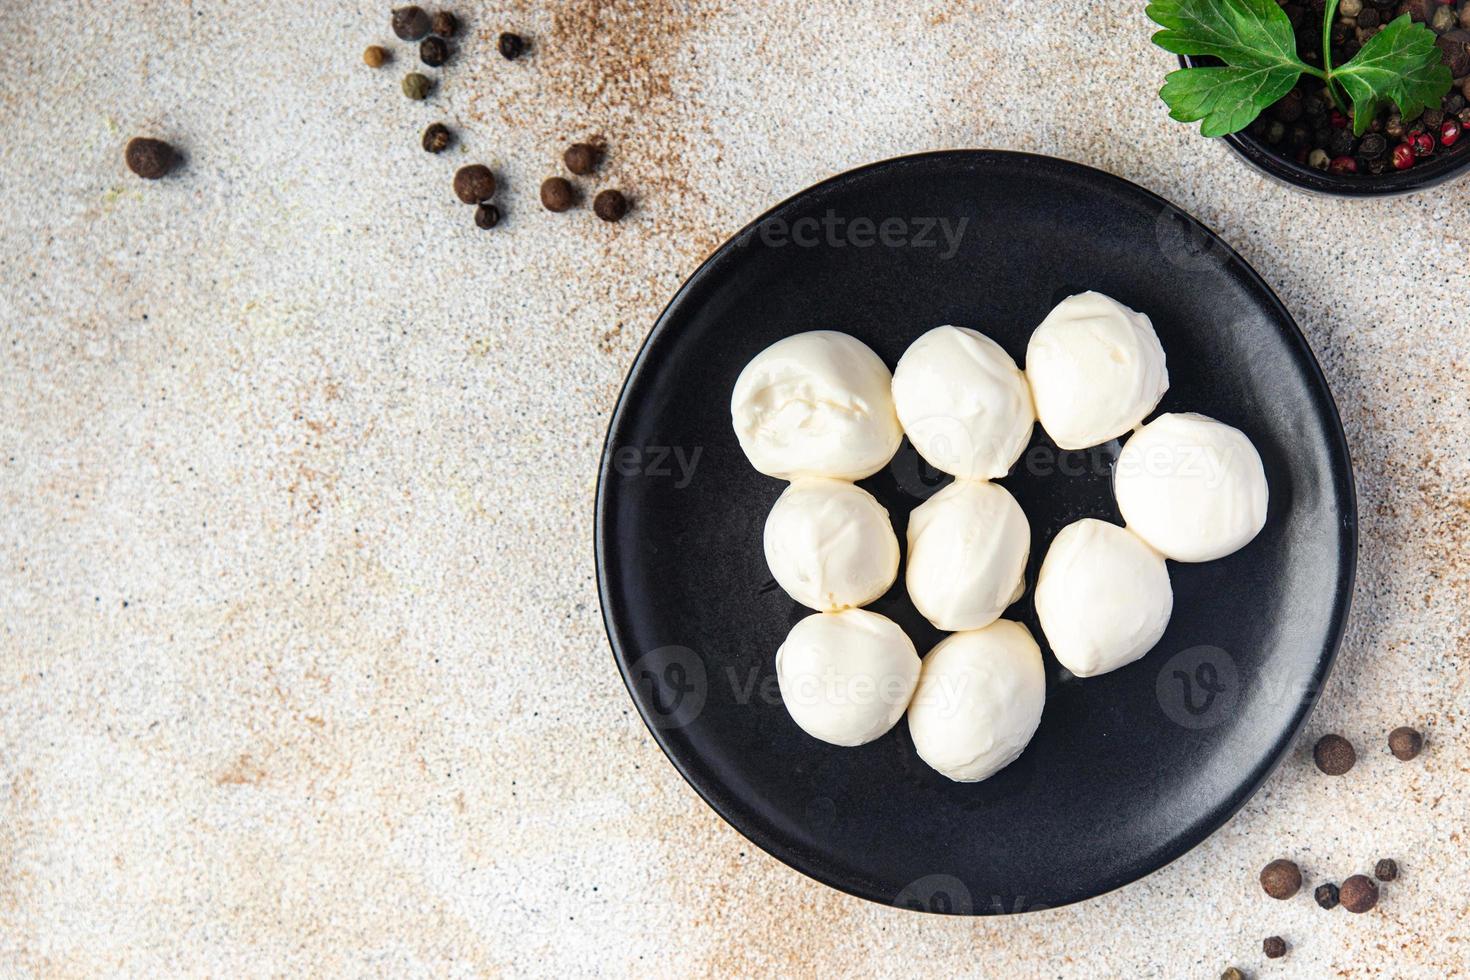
(416, 86)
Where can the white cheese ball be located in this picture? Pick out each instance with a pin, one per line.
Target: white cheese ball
(830, 545)
(847, 677)
(1096, 370)
(816, 404)
(963, 403)
(1192, 487)
(967, 555)
(1103, 597)
(979, 701)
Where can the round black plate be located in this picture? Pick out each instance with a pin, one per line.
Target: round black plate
(1128, 770)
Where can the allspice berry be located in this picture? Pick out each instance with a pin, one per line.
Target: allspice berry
(375, 56)
(1281, 878)
(1326, 895)
(1274, 947)
(437, 138)
(1386, 869)
(416, 86)
(1334, 755)
(444, 24)
(411, 23)
(610, 205)
(487, 216)
(557, 194)
(1359, 893)
(1405, 743)
(581, 158)
(511, 46)
(474, 183)
(149, 158)
(433, 51)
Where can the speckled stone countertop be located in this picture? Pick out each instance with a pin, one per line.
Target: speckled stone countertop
(303, 670)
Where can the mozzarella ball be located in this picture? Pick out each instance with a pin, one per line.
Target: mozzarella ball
(1103, 597)
(830, 545)
(846, 677)
(1096, 369)
(816, 404)
(979, 701)
(963, 403)
(1192, 487)
(967, 555)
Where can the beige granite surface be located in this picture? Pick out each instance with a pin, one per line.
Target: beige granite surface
(301, 665)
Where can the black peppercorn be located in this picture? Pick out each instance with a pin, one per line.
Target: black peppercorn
(581, 158)
(1334, 755)
(1405, 743)
(1341, 143)
(487, 215)
(1453, 102)
(1274, 947)
(474, 183)
(416, 86)
(1281, 878)
(1359, 893)
(149, 158)
(433, 51)
(511, 46)
(437, 138)
(1432, 118)
(557, 194)
(444, 24)
(1386, 869)
(1373, 146)
(410, 23)
(1368, 18)
(610, 205)
(1326, 895)
(1288, 108)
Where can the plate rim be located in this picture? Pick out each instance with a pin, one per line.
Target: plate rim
(1343, 480)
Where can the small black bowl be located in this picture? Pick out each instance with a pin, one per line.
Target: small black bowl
(1422, 176)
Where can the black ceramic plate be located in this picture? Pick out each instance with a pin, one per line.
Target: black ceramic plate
(1128, 770)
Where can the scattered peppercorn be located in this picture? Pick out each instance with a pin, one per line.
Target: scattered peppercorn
(433, 51)
(1326, 895)
(1386, 869)
(437, 138)
(1274, 947)
(1341, 143)
(1403, 156)
(411, 23)
(1395, 128)
(1405, 743)
(1281, 878)
(1359, 894)
(1334, 755)
(474, 183)
(375, 56)
(487, 215)
(511, 46)
(444, 24)
(610, 205)
(416, 86)
(1449, 132)
(1368, 18)
(1232, 973)
(1422, 143)
(149, 158)
(581, 158)
(557, 194)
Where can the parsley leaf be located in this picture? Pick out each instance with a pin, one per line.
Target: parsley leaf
(1400, 62)
(1255, 40)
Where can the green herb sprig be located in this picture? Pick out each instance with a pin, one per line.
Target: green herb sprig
(1254, 39)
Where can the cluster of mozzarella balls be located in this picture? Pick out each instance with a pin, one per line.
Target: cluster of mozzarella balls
(821, 410)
